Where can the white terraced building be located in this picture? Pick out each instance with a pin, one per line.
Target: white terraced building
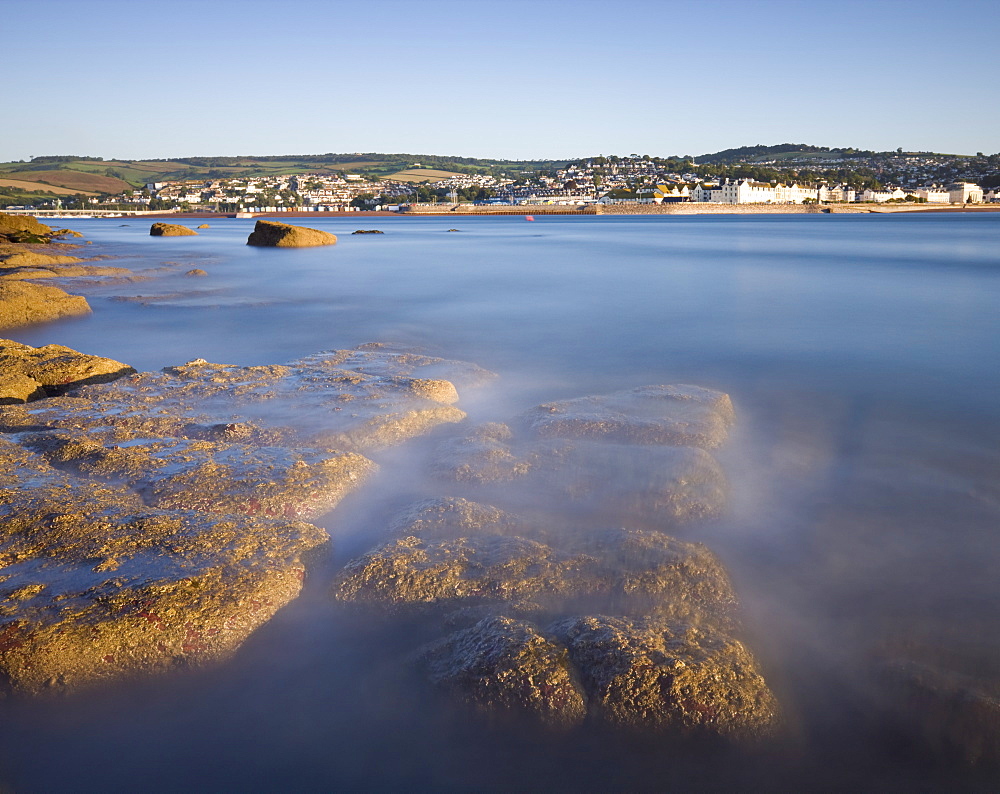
(746, 192)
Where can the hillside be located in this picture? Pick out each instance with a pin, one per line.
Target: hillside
(43, 177)
(75, 181)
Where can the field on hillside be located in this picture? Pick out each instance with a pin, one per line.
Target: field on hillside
(421, 175)
(41, 187)
(75, 180)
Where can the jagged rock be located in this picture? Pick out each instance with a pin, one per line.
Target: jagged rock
(35, 259)
(94, 586)
(657, 674)
(212, 476)
(23, 229)
(147, 523)
(502, 664)
(16, 387)
(449, 518)
(348, 400)
(654, 648)
(675, 415)
(23, 304)
(170, 230)
(69, 232)
(645, 483)
(52, 369)
(284, 235)
(454, 554)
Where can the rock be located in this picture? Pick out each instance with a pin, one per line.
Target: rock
(458, 573)
(34, 259)
(203, 226)
(65, 271)
(211, 476)
(387, 403)
(23, 229)
(635, 455)
(196, 272)
(936, 685)
(23, 304)
(952, 716)
(69, 232)
(368, 231)
(452, 554)
(52, 369)
(453, 230)
(97, 587)
(348, 400)
(641, 626)
(16, 387)
(502, 664)
(674, 415)
(660, 483)
(284, 235)
(152, 522)
(170, 230)
(653, 674)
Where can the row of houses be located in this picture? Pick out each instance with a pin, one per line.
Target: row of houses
(746, 191)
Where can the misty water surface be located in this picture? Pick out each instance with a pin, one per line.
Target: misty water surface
(861, 354)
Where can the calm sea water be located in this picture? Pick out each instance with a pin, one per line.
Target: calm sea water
(862, 355)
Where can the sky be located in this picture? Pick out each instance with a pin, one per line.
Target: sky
(513, 79)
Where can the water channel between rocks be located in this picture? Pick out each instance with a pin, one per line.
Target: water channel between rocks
(859, 528)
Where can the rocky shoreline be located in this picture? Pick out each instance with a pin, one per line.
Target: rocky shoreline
(152, 521)
(155, 521)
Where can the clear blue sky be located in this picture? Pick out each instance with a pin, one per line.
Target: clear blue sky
(495, 78)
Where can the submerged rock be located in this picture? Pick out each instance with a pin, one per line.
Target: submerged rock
(95, 586)
(640, 625)
(635, 455)
(672, 485)
(197, 271)
(29, 373)
(23, 304)
(368, 231)
(170, 230)
(450, 554)
(502, 664)
(941, 692)
(284, 235)
(675, 415)
(655, 674)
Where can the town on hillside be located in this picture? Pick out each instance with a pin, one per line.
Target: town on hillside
(785, 174)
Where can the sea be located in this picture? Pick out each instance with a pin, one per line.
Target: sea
(862, 354)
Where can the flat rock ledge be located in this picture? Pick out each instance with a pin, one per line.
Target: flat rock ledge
(23, 304)
(155, 521)
(30, 373)
(96, 586)
(627, 628)
(284, 235)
